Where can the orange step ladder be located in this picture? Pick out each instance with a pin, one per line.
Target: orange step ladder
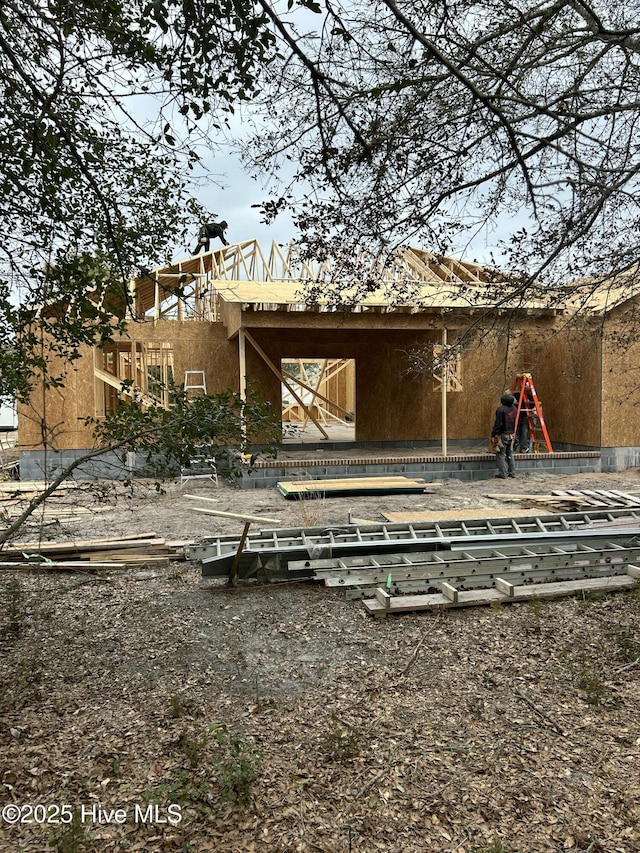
(524, 384)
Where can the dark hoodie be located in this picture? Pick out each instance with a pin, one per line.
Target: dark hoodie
(505, 423)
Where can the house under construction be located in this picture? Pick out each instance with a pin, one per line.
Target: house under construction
(419, 362)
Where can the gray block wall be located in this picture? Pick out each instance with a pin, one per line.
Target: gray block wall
(36, 465)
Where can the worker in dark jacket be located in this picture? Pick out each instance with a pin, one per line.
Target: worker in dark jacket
(502, 436)
(208, 232)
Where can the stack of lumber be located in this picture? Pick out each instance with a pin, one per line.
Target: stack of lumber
(33, 487)
(574, 499)
(383, 485)
(136, 551)
(14, 496)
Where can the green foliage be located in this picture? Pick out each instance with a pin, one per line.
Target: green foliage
(590, 681)
(69, 838)
(180, 790)
(237, 765)
(170, 437)
(192, 746)
(12, 605)
(97, 148)
(342, 742)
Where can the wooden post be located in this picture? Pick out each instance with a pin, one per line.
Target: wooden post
(242, 365)
(233, 571)
(445, 382)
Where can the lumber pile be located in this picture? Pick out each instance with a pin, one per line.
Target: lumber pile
(383, 485)
(569, 500)
(14, 496)
(93, 555)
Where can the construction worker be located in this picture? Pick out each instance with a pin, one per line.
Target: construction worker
(502, 436)
(207, 232)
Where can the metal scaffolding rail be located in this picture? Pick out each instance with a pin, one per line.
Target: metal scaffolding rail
(269, 553)
(473, 568)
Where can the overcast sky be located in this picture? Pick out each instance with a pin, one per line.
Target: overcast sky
(230, 192)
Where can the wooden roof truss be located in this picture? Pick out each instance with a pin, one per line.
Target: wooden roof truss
(191, 288)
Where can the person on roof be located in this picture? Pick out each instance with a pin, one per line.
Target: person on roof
(502, 436)
(208, 232)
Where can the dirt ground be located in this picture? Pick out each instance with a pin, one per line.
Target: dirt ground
(149, 710)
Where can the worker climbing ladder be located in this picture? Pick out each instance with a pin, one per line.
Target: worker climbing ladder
(535, 419)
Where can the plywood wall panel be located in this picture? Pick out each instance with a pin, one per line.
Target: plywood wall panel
(566, 369)
(621, 380)
(55, 417)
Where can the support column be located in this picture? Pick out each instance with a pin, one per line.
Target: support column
(242, 366)
(445, 382)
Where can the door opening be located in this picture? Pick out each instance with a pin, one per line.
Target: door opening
(318, 399)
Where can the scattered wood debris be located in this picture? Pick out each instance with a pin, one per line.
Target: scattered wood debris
(573, 499)
(135, 551)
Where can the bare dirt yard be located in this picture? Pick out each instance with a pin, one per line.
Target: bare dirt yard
(148, 710)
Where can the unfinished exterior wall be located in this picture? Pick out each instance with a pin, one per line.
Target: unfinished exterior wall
(55, 418)
(621, 378)
(197, 345)
(392, 405)
(566, 365)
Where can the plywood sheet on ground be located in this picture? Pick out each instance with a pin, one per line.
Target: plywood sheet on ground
(455, 514)
(351, 486)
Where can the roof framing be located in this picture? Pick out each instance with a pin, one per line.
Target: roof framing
(411, 281)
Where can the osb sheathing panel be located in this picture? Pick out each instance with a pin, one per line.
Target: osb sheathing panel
(196, 346)
(56, 416)
(390, 405)
(566, 370)
(621, 380)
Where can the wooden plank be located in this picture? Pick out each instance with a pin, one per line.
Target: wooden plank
(631, 500)
(351, 485)
(88, 565)
(507, 496)
(433, 601)
(575, 496)
(449, 591)
(246, 518)
(609, 498)
(560, 589)
(383, 597)
(35, 486)
(75, 546)
(454, 514)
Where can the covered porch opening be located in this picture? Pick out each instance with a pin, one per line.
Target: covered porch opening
(318, 399)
